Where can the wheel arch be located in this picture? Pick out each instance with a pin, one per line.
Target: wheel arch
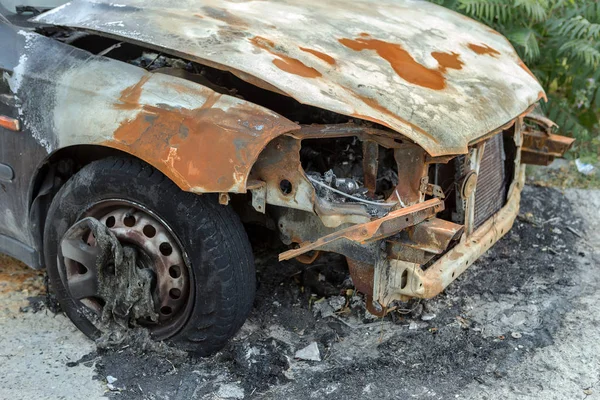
(52, 173)
(204, 141)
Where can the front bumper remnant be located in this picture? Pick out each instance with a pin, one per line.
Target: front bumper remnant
(396, 280)
(392, 278)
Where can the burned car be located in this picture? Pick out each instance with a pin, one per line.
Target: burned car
(137, 137)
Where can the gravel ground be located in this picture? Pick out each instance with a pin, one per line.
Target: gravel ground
(519, 324)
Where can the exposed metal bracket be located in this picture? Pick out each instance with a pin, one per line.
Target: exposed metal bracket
(259, 195)
(394, 279)
(431, 189)
(224, 199)
(398, 279)
(370, 165)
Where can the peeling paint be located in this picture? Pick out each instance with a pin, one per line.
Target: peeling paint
(57, 9)
(402, 62)
(210, 148)
(484, 49)
(190, 142)
(130, 97)
(202, 140)
(15, 83)
(373, 103)
(328, 59)
(285, 62)
(447, 60)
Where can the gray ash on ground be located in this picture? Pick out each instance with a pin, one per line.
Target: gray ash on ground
(507, 305)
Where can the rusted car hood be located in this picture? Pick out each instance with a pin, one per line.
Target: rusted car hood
(433, 75)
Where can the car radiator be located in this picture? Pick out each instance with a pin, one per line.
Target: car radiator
(490, 195)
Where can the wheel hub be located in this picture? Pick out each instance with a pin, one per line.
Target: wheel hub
(158, 249)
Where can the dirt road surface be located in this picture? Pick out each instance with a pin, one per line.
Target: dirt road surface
(522, 323)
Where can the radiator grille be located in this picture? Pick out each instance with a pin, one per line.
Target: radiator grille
(490, 194)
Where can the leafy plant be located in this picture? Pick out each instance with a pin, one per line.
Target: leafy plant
(560, 41)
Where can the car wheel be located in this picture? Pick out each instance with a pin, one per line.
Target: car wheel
(195, 252)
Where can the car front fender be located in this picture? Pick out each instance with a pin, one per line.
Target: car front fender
(203, 140)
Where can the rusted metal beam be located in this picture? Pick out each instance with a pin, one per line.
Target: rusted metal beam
(259, 195)
(540, 145)
(385, 138)
(417, 244)
(362, 275)
(380, 228)
(411, 169)
(455, 262)
(400, 251)
(537, 117)
(370, 166)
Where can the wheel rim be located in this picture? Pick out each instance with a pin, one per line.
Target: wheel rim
(160, 250)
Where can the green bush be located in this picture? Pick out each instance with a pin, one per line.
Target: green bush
(560, 42)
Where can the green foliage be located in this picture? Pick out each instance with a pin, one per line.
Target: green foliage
(560, 41)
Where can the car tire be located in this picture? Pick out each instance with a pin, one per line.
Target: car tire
(220, 261)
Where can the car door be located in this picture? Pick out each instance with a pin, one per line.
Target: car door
(20, 153)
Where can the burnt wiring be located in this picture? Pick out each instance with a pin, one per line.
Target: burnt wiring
(373, 203)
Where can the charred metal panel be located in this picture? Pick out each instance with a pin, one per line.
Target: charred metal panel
(411, 169)
(279, 164)
(433, 75)
(203, 140)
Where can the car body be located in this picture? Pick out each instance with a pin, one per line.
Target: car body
(391, 132)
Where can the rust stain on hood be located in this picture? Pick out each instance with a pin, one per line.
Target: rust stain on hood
(447, 60)
(484, 50)
(439, 79)
(404, 64)
(285, 62)
(328, 59)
